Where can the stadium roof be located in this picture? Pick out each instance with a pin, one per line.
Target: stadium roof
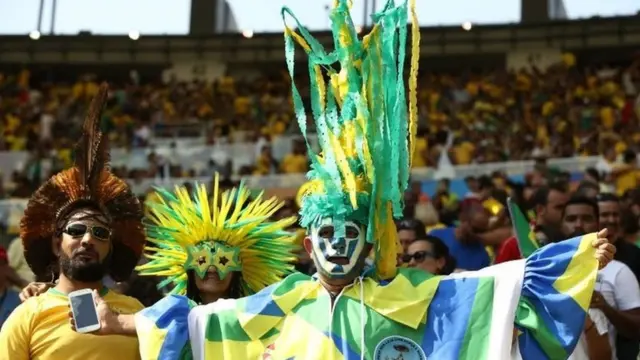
(562, 35)
(172, 16)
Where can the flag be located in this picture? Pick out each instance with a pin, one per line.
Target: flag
(551, 318)
(465, 316)
(525, 235)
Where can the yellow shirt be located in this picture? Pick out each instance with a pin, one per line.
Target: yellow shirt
(293, 164)
(242, 105)
(39, 329)
(607, 118)
(87, 90)
(263, 166)
(626, 181)
(226, 85)
(17, 143)
(569, 59)
(23, 78)
(463, 153)
(205, 110)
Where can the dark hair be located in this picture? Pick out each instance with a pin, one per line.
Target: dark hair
(541, 195)
(586, 185)
(629, 156)
(581, 200)
(606, 197)
(414, 225)
(235, 288)
(593, 173)
(485, 182)
(469, 207)
(440, 251)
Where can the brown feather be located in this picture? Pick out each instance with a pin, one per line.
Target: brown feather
(92, 153)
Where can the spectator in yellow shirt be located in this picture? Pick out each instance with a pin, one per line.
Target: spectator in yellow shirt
(242, 105)
(607, 117)
(23, 78)
(625, 175)
(266, 164)
(295, 162)
(463, 152)
(85, 89)
(226, 85)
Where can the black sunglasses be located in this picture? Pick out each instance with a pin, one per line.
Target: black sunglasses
(77, 230)
(418, 256)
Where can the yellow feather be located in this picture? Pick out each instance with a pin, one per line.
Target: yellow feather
(298, 39)
(347, 175)
(413, 80)
(322, 89)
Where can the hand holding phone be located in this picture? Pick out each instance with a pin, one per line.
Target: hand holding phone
(84, 311)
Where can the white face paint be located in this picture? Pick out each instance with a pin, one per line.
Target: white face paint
(337, 257)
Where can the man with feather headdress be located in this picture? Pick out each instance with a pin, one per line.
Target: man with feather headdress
(81, 225)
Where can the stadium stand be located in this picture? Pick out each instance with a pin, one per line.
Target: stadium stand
(499, 96)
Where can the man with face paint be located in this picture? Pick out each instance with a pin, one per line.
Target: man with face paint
(339, 259)
(366, 133)
(81, 225)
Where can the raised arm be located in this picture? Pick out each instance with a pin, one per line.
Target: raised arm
(545, 296)
(162, 329)
(556, 293)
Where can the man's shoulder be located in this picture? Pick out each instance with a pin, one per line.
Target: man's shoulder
(611, 271)
(29, 309)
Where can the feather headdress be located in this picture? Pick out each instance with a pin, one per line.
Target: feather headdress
(89, 183)
(365, 131)
(228, 232)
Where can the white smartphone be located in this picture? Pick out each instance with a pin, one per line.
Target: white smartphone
(83, 308)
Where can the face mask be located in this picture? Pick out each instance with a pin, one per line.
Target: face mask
(206, 254)
(337, 257)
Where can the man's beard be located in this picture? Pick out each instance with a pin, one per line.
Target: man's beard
(77, 270)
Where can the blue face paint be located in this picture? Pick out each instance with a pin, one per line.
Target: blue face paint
(337, 254)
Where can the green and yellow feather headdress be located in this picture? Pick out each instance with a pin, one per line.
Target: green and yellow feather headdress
(229, 232)
(365, 131)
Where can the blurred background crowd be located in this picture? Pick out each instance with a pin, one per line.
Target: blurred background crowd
(475, 117)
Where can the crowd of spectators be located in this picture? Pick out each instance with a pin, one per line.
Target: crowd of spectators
(490, 116)
(531, 113)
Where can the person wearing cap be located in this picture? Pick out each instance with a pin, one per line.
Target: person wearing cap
(80, 225)
(9, 299)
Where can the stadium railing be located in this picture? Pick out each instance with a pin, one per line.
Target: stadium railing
(286, 185)
(293, 181)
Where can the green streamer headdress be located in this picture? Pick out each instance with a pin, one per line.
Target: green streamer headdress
(228, 233)
(365, 131)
